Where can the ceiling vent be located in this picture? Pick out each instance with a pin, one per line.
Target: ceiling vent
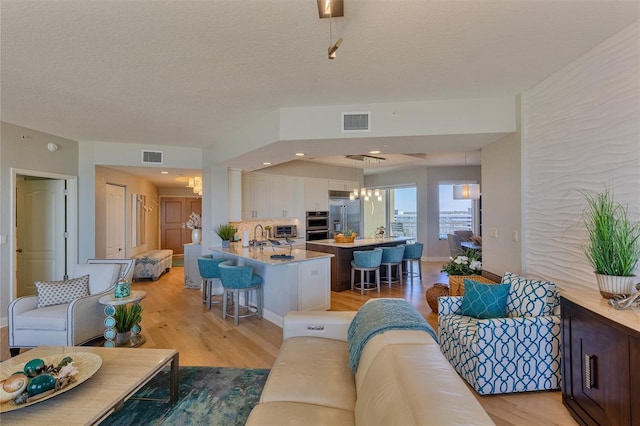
(356, 122)
(151, 157)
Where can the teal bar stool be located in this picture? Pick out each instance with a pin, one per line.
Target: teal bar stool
(413, 253)
(366, 261)
(237, 281)
(393, 256)
(209, 271)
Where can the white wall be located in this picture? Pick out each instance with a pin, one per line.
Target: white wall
(581, 131)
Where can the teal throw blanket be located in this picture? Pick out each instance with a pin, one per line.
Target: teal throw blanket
(379, 316)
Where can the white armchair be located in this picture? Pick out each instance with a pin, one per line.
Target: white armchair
(67, 324)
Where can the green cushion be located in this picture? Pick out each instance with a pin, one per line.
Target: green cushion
(484, 300)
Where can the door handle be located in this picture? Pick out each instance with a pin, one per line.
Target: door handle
(19, 251)
(590, 372)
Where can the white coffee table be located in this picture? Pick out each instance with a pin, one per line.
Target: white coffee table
(123, 372)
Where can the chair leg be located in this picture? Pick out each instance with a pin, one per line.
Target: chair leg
(204, 290)
(225, 297)
(400, 272)
(361, 282)
(378, 279)
(420, 268)
(209, 292)
(259, 302)
(236, 306)
(389, 267)
(14, 352)
(353, 274)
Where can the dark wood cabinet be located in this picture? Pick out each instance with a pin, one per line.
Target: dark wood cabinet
(600, 368)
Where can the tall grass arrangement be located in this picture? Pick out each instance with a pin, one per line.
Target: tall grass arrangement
(225, 232)
(613, 244)
(127, 316)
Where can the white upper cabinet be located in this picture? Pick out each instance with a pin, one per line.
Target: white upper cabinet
(255, 196)
(284, 193)
(342, 185)
(316, 194)
(271, 196)
(235, 194)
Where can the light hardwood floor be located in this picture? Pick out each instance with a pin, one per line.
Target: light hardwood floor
(175, 317)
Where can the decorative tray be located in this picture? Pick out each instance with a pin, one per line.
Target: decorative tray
(87, 364)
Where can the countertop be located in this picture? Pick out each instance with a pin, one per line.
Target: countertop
(264, 255)
(361, 242)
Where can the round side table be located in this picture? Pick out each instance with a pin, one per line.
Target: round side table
(110, 332)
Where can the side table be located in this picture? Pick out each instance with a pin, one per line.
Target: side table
(110, 333)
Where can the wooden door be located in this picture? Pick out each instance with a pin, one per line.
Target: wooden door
(115, 221)
(174, 212)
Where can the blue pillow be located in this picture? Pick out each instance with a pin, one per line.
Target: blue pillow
(484, 300)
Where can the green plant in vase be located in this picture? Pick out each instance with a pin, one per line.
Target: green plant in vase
(126, 317)
(613, 243)
(226, 233)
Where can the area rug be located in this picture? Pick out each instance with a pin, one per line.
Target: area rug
(177, 262)
(206, 395)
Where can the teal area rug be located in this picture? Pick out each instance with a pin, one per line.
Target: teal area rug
(207, 395)
(177, 261)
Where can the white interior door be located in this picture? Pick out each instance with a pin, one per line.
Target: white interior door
(40, 234)
(115, 222)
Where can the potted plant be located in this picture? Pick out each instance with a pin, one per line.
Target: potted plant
(126, 317)
(226, 233)
(467, 264)
(613, 243)
(195, 224)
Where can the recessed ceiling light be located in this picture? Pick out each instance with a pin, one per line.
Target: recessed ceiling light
(375, 152)
(300, 154)
(266, 163)
(164, 172)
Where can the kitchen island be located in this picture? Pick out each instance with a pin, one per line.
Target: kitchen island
(299, 283)
(343, 255)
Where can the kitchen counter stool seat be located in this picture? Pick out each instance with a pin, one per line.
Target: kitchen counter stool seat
(393, 256)
(237, 281)
(366, 261)
(209, 271)
(412, 254)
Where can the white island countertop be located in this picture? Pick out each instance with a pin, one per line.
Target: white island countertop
(264, 255)
(363, 242)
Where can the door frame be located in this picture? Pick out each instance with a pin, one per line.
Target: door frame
(71, 220)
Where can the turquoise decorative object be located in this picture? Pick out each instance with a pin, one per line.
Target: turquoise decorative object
(122, 289)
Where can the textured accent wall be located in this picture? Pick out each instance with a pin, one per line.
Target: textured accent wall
(581, 131)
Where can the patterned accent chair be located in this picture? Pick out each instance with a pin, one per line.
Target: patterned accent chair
(518, 353)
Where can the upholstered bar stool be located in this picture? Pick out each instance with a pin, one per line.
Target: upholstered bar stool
(209, 271)
(413, 253)
(393, 256)
(237, 280)
(366, 261)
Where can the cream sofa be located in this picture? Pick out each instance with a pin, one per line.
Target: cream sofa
(402, 379)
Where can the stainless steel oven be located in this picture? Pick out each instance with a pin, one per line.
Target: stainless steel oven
(317, 226)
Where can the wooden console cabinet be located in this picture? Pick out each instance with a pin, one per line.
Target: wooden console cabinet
(600, 363)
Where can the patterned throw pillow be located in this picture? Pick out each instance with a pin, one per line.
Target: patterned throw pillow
(58, 292)
(529, 298)
(484, 300)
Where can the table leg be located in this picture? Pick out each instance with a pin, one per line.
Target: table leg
(175, 378)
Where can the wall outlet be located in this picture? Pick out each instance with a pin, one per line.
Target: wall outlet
(3, 239)
(515, 236)
(493, 233)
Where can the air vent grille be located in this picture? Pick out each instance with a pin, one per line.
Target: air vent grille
(152, 157)
(356, 122)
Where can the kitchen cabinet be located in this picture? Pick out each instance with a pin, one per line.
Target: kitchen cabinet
(234, 178)
(284, 194)
(342, 185)
(316, 194)
(255, 196)
(600, 357)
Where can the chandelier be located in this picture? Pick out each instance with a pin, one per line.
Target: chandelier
(196, 184)
(331, 9)
(365, 193)
(466, 191)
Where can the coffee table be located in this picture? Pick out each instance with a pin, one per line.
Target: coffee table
(123, 372)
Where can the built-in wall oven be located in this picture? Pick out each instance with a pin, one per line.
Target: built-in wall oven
(317, 226)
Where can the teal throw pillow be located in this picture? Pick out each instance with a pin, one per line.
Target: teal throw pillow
(484, 300)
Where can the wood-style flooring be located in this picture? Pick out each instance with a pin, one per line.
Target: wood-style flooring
(175, 317)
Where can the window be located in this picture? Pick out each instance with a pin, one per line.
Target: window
(455, 215)
(397, 212)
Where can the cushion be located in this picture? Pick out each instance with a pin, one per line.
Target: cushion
(529, 298)
(484, 300)
(59, 292)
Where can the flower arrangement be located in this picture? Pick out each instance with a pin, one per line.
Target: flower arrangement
(194, 222)
(466, 263)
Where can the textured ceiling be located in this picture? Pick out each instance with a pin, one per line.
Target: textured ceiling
(190, 72)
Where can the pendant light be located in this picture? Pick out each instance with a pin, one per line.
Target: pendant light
(466, 191)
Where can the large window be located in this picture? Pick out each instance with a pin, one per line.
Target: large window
(455, 215)
(396, 211)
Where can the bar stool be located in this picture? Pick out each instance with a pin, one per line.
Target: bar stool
(366, 261)
(237, 280)
(412, 253)
(393, 256)
(209, 271)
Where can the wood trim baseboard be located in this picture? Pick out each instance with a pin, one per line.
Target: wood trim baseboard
(491, 276)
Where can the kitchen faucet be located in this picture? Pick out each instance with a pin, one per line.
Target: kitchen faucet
(255, 234)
